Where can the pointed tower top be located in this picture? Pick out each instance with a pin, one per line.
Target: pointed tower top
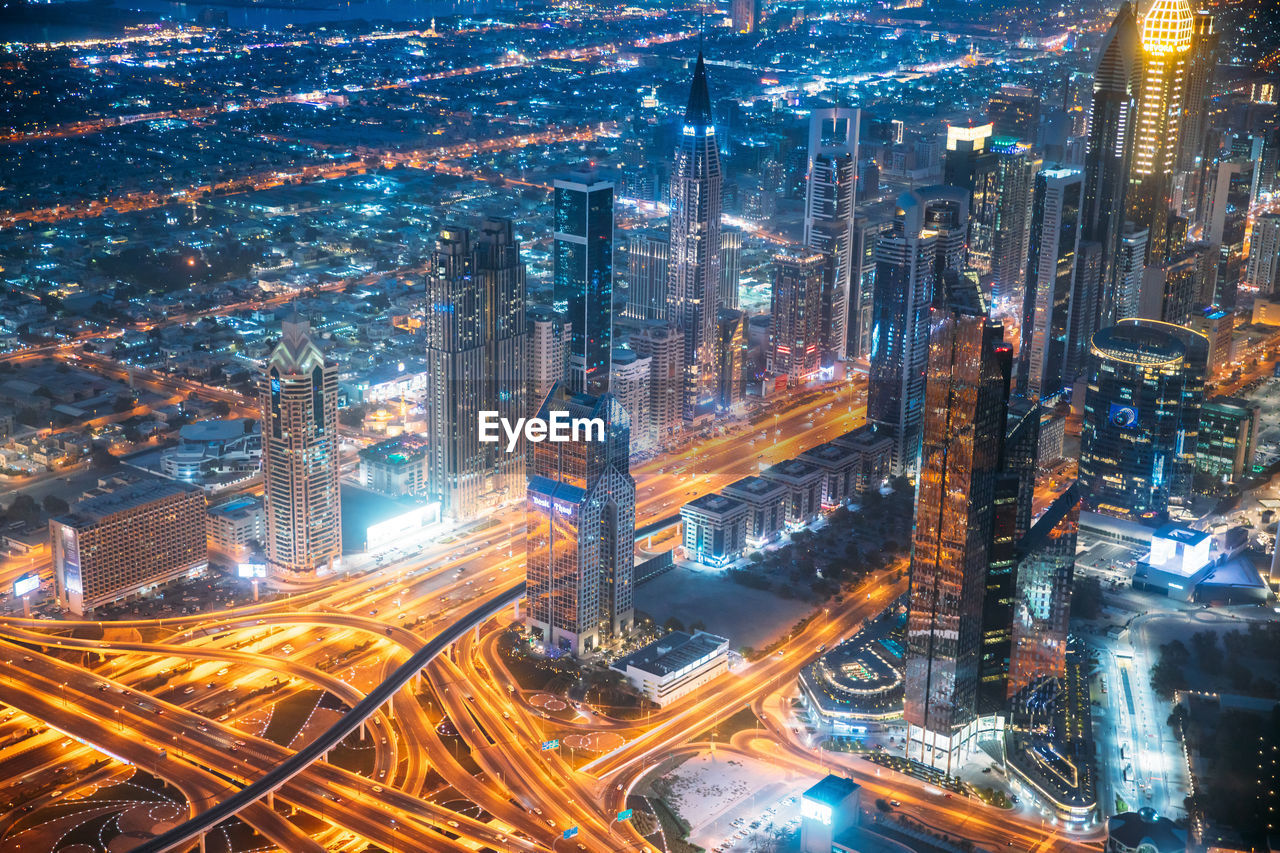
(699, 110)
(296, 352)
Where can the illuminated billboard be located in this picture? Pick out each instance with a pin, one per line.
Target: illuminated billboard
(26, 584)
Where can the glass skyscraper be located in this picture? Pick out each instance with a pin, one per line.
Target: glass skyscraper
(583, 277)
(1141, 418)
(580, 518)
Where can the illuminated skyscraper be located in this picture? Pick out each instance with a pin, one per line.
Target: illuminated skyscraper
(1016, 168)
(1014, 111)
(1195, 108)
(583, 285)
(580, 519)
(964, 426)
(862, 284)
(647, 257)
(796, 324)
(926, 239)
(970, 165)
(300, 457)
(694, 265)
(1042, 605)
(1166, 45)
(1107, 163)
(1264, 255)
(1141, 418)
(1045, 354)
(745, 14)
(828, 222)
(663, 344)
(475, 333)
(731, 353)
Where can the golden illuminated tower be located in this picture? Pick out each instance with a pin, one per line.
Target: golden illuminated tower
(1166, 45)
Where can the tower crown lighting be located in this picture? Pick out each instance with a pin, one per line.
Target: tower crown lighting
(1167, 27)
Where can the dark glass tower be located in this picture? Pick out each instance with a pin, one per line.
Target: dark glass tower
(1108, 153)
(583, 285)
(694, 267)
(828, 221)
(963, 431)
(1141, 418)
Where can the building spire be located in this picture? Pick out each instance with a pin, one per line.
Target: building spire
(699, 110)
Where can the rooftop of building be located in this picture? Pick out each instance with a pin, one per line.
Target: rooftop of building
(131, 496)
(714, 502)
(237, 508)
(400, 450)
(1145, 827)
(755, 486)
(792, 469)
(673, 652)
(831, 790)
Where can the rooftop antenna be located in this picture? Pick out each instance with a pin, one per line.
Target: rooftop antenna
(702, 23)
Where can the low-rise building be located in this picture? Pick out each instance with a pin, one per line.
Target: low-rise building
(397, 466)
(827, 811)
(842, 468)
(215, 452)
(1144, 831)
(767, 502)
(235, 528)
(804, 489)
(876, 452)
(1179, 560)
(120, 544)
(715, 529)
(671, 667)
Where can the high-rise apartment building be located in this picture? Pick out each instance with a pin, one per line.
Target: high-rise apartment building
(630, 383)
(1016, 168)
(547, 355)
(831, 193)
(663, 344)
(1228, 438)
(580, 529)
(300, 456)
(115, 545)
(647, 256)
(1141, 418)
(694, 279)
(476, 340)
(1049, 352)
(1195, 103)
(1166, 44)
(1263, 271)
(964, 426)
(730, 266)
(796, 325)
(910, 258)
(745, 14)
(1014, 111)
(1042, 605)
(862, 251)
(583, 276)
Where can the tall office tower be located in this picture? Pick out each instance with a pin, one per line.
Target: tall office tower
(1107, 162)
(583, 284)
(501, 274)
(730, 266)
(1014, 111)
(796, 325)
(1228, 203)
(664, 346)
(1195, 103)
(731, 355)
(580, 523)
(116, 545)
(547, 355)
(1184, 279)
(969, 165)
(647, 254)
(1048, 353)
(868, 188)
(862, 251)
(1042, 604)
(629, 382)
(476, 340)
(300, 458)
(1264, 255)
(1141, 418)
(1130, 266)
(744, 15)
(830, 196)
(694, 269)
(964, 425)
(1016, 168)
(909, 259)
(1166, 43)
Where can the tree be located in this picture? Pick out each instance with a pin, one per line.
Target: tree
(883, 805)
(22, 508)
(54, 505)
(221, 408)
(1167, 677)
(352, 416)
(123, 403)
(1208, 655)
